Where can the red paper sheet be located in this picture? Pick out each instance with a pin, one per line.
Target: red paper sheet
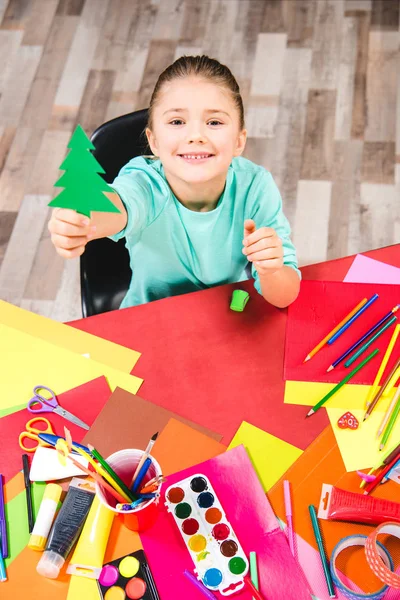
(85, 401)
(319, 307)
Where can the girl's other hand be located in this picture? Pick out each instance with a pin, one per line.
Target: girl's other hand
(70, 232)
(263, 247)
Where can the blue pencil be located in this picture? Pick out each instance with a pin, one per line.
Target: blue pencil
(353, 318)
(143, 470)
(364, 337)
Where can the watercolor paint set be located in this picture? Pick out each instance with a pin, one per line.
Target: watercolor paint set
(128, 577)
(220, 562)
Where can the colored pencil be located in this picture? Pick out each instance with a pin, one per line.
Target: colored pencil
(252, 588)
(385, 459)
(28, 491)
(253, 569)
(359, 341)
(111, 472)
(202, 588)
(387, 476)
(3, 523)
(145, 455)
(339, 385)
(289, 513)
(377, 396)
(385, 360)
(334, 330)
(353, 318)
(371, 486)
(391, 423)
(143, 470)
(392, 382)
(324, 561)
(388, 413)
(3, 573)
(370, 342)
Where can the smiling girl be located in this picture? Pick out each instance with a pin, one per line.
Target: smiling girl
(197, 213)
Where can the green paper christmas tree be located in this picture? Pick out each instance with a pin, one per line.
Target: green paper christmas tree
(82, 182)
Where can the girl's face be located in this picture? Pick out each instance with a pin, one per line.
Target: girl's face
(196, 131)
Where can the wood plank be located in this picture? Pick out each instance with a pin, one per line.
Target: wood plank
(47, 268)
(352, 5)
(45, 171)
(67, 305)
(268, 64)
(379, 205)
(10, 42)
(16, 14)
(7, 220)
(38, 109)
(168, 23)
(383, 66)
(345, 196)
(378, 162)
(346, 73)
(19, 255)
(326, 44)
(360, 79)
(39, 307)
(18, 167)
(319, 134)
(194, 22)
(71, 8)
(3, 8)
(223, 13)
(299, 19)
(39, 22)
(272, 19)
(97, 94)
(385, 15)
(161, 53)
(73, 80)
(7, 135)
(313, 198)
(18, 84)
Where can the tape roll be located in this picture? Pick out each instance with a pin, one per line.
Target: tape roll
(374, 558)
(383, 556)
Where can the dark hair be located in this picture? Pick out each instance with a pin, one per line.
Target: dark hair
(202, 66)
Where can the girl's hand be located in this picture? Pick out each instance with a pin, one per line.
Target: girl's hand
(263, 247)
(70, 232)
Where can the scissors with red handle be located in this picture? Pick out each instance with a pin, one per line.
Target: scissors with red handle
(45, 404)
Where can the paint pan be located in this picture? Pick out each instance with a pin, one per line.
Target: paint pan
(219, 560)
(128, 577)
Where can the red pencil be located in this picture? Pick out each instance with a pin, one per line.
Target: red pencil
(252, 589)
(371, 486)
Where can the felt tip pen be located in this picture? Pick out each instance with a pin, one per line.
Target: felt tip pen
(321, 550)
(3, 524)
(3, 574)
(51, 439)
(28, 491)
(202, 588)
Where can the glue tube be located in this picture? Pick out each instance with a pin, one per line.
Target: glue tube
(87, 559)
(67, 527)
(45, 517)
(339, 505)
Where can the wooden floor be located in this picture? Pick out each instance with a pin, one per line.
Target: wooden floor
(320, 81)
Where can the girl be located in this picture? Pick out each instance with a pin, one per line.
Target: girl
(197, 213)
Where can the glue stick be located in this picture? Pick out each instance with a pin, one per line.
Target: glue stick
(45, 517)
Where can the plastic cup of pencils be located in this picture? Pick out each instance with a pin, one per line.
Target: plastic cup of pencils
(124, 463)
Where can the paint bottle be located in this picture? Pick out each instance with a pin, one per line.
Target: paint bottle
(67, 527)
(87, 559)
(45, 517)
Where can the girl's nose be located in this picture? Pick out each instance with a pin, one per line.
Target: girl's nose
(197, 135)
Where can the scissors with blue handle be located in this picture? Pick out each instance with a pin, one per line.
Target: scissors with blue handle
(51, 405)
(33, 433)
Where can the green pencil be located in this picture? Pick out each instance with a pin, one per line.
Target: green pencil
(324, 560)
(371, 341)
(339, 385)
(112, 473)
(392, 421)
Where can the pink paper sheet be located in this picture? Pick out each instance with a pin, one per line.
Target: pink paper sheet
(253, 521)
(369, 270)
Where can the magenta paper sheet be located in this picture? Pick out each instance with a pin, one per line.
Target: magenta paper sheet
(253, 520)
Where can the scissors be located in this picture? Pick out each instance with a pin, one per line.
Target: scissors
(32, 433)
(51, 405)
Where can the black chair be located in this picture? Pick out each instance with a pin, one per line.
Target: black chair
(104, 266)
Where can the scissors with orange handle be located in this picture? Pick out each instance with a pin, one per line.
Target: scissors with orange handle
(32, 433)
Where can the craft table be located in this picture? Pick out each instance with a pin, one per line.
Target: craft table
(215, 366)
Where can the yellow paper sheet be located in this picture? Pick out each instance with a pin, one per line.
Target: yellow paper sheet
(309, 393)
(67, 337)
(83, 587)
(26, 361)
(360, 447)
(271, 456)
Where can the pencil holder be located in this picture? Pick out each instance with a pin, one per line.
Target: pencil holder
(124, 463)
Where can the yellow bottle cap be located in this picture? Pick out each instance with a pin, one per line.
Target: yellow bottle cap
(53, 491)
(37, 542)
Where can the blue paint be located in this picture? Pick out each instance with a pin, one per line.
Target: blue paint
(212, 577)
(205, 500)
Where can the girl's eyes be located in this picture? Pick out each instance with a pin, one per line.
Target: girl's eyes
(179, 121)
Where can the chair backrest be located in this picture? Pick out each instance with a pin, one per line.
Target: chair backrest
(104, 266)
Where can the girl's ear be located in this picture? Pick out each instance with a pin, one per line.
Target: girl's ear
(241, 143)
(152, 141)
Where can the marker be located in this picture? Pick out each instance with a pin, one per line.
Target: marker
(3, 524)
(202, 588)
(324, 561)
(289, 513)
(28, 491)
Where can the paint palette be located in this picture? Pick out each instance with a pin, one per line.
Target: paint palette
(220, 562)
(128, 577)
